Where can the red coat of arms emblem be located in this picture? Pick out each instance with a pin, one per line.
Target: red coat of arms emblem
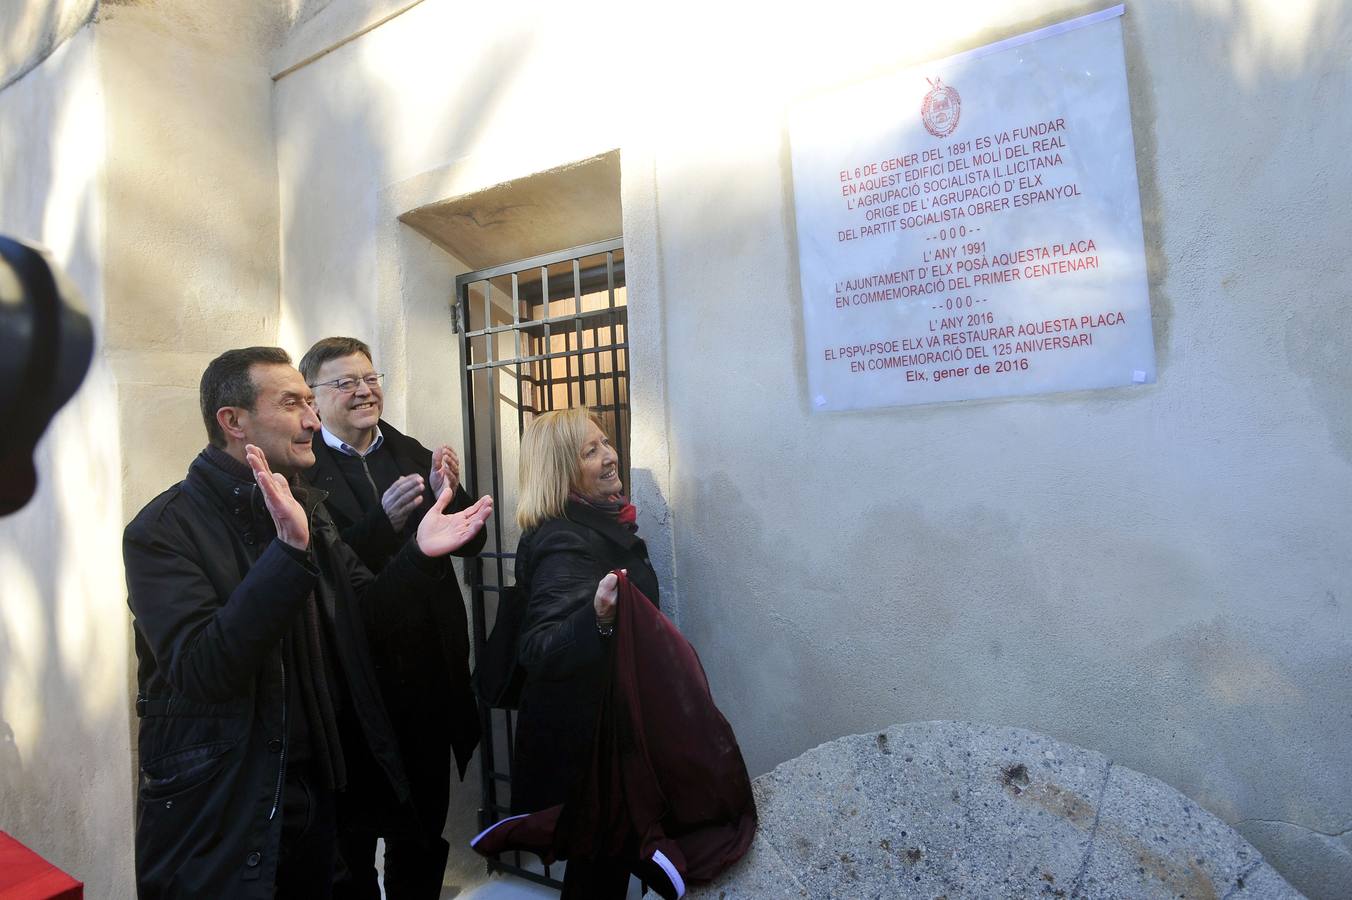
(941, 108)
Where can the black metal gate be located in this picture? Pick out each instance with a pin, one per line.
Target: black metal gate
(539, 334)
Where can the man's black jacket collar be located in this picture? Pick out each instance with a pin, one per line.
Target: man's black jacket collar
(240, 498)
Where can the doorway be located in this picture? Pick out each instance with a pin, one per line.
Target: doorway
(537, 334)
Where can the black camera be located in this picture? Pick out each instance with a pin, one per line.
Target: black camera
(46, 344)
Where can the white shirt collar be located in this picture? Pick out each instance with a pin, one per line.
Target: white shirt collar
(347, 449)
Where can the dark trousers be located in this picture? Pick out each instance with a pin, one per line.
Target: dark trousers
(415, 852)
(414, 866)
(309, 831)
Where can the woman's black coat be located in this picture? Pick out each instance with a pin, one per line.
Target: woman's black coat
(559, 564)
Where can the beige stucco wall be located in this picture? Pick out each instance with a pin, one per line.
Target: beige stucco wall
(65, 781)
(31, 31)
(192, 188)
(1157, 573)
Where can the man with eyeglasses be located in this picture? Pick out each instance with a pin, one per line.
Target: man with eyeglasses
(376, 479)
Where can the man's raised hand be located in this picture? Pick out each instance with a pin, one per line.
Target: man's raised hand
(445, 470)
(401, 498)
(439, 534)
(288, 516)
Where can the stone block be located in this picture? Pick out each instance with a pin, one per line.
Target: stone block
(1152, 841)
(1029, 815)
(949, 810)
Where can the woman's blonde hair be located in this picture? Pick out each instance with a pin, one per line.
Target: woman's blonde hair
(551, 449)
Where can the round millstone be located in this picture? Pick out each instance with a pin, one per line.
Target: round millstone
(955, 810)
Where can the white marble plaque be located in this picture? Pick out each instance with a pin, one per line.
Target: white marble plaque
(972, 227)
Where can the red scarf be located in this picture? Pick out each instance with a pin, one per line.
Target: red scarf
(617, 507)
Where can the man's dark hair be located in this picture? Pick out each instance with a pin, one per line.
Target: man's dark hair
(228, 382)
(327, 349)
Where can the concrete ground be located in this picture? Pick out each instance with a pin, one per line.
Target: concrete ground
(508, 887)
(499, 886)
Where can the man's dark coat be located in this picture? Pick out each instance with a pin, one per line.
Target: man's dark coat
(214, 593)
(423, 667)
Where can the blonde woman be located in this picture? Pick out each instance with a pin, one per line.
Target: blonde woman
(577, 527)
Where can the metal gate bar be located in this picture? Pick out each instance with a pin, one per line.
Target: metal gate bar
(538, 367)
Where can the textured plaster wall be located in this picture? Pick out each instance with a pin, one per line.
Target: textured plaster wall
(65, 785)
(30, 31)
(1157, 573)
(192, 188)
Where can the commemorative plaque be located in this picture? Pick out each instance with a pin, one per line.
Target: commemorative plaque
(971, 227)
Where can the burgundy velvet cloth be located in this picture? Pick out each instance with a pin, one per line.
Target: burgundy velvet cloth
(667, 790)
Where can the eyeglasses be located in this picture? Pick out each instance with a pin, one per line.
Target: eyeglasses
(348, 384)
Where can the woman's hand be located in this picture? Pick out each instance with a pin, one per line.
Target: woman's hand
(604, 602)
